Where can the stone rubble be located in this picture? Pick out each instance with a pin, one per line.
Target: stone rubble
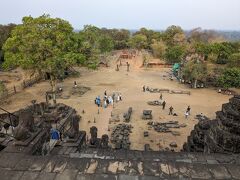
(120, 136)
(165, 127)
(147, 114)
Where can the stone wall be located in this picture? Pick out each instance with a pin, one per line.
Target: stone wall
(219, 135)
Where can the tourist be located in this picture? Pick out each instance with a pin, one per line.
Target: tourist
(113, 97)
(163, 105)
(161, 96)
(144, 89)
(219, 90)
(105, 93)
(170, 111)
(75, 84)
(128, 65)
(120, 97)
(188, 110)
(98, 101)
(105, 104)
(186, 114)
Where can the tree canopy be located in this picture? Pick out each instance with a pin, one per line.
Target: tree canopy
(42, 45)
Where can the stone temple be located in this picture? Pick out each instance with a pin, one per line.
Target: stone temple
(30, 154)
(221, 135)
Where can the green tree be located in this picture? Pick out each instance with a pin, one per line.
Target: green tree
(151, 36)
(105, 44)
(230, 78)
(174, 35)
(175, 54)
(223, 51)
(138, 41)
(195, 71)
(234, 60)
(43, 45)
(5, 31)
(203, 49)
(159, 49)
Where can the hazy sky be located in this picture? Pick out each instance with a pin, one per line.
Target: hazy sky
(131, 14)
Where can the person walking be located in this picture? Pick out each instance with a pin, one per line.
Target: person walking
(105, 103)
(163, 105)
(161, 96)
(120, 97)
(75, 84)
(144, 88)
(170, 111)
(186, 114)
(188, 110)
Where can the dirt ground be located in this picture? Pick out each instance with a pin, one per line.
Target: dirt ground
(206, 101)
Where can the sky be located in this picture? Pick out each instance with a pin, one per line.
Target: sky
(130, 14)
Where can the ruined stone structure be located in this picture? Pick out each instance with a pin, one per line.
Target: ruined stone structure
(127, 115)
(104, 141)
(147, 114)
(31, 128)
(25, 126)
(221, 135)
(94, 142)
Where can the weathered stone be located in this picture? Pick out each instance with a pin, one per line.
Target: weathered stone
(67, 174)
(29, 175)
(145, 134)
(173, 144)
(219, 172)
(46, 176)
(220, 135)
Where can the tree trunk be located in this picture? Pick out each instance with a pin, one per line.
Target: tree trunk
(53, 83)
(195, 84)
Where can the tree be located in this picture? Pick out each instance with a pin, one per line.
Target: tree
(159, 49)
(105, 44)
(151, 36)
(174, 35)
(120, 37)
(195, 71)
(223, 51)
(203, 49)
(43, 45)
(234, 60)
(175, 54)
(138, 41)
(5, 31)
(230, 78)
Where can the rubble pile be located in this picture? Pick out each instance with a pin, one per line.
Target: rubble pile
(221, 135)
(120, 136)
(154, 103)
(80, 90)
(166, 127)
(201, 117)
(147, 114)
(157, 90)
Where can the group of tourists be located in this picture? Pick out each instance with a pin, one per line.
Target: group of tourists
(108, 99)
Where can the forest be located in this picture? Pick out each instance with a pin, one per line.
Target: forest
(50, 45)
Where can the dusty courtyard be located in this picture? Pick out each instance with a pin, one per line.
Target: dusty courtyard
(206, 101)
